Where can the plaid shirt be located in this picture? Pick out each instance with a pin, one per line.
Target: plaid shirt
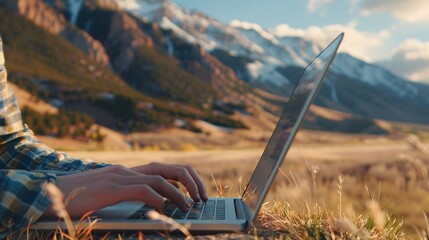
(25, 164)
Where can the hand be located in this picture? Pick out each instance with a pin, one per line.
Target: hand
(149, 183)
(180, 173)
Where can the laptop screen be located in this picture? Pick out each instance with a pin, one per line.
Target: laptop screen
(287, 126)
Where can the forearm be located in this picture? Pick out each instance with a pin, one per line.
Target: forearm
(22, 199)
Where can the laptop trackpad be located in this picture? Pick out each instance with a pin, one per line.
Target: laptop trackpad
(121, 210)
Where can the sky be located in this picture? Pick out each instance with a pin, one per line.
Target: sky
(391, 33)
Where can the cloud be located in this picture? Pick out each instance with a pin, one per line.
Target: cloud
(314, 4)
(412, 11)
(364, 45)
(410, 60)
(253, 26)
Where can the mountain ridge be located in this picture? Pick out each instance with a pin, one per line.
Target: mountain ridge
(187, 98)
(167, 80)
(267, 53)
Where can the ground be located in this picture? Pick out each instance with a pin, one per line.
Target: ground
(373, 166)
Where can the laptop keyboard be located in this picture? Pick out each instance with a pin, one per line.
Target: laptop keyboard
(210, 210)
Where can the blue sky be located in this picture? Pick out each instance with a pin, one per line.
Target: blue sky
(393, 33)
(270, 13)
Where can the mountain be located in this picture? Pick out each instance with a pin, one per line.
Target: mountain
(272, 63)
(149, 65)
(141, 87)
(54, 22)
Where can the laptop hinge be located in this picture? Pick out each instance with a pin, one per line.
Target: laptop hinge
(239, 210)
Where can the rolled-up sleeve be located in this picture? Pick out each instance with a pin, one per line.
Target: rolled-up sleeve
(22, 199)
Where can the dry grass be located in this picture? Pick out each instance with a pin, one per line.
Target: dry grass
(279, 220)
(171, 223)
(316, 222)
(377, 200)
(305, 220)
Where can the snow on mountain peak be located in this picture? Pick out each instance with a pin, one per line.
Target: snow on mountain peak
(371, 74)
(239, 37)
(266, 54)
(255, 68)
(128, 4)
(255, 27)
(269, 49)
(151, 10)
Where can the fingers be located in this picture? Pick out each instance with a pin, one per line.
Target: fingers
(159, 185)
(146, 176)
(114, 184)
(169, 190)
(186, 175)
(200, 185)
(174, 183)
(186, 179)
(144, 193)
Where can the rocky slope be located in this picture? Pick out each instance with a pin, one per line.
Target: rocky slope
(274, 63)
(167, 66)
(44, 16)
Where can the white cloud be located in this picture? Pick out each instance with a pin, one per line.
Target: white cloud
(314, 4)
(253, 26)
(413, 11)
(410, 60)
(364, 45)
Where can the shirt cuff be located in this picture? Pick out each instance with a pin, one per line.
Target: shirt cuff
(22, 199)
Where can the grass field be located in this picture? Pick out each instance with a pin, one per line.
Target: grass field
(330, 186)
(382, 169)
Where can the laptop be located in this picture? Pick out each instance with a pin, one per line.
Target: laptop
(227, 214)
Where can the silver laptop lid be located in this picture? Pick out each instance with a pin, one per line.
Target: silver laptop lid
(287, 127)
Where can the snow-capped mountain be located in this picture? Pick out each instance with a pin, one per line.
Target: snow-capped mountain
(256, 43)
(255, 55)
(352, 86)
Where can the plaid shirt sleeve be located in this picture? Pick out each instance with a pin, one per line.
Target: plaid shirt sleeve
(25, 164)
(22, 199)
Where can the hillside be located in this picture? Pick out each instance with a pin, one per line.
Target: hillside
(112, 140)
(35, 58)
(55, 70)
(273, 63)
(135, 72)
